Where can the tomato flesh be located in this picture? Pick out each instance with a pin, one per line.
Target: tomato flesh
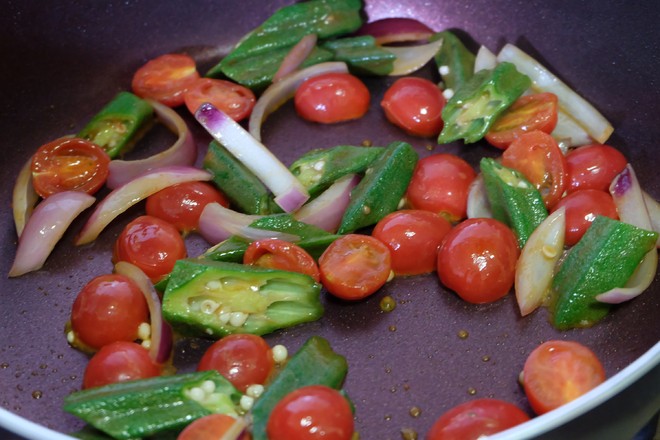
(415, 105)
(582, 207)
(165, 79)
(280, 254)
(234, 99)
(593, 167)
(332, 97)
(213, 426)
(118, 362)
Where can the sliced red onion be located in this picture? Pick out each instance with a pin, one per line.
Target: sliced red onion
(653, 208)
(280, 92)
(183, 152)
(629, 201)
(478, 205)
(161, 332)
(396, 30)
(46, 227)
(412, 58)
(127, 195)
(24, 197)
(236, 430)
(296, 56)
(327, 210)
(289, 193)
(485, 59)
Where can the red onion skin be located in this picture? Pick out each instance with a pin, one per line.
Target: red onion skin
(296, 56)
(396, 30)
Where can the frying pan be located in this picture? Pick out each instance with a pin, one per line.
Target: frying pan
(62, 61)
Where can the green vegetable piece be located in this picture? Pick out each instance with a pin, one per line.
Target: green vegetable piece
(208, 298)
(318, 169)
(605, 258)
(119, 124)
(362, 55)
(380, 191)
(458, 60)
(513, 199)
(230, 250)
(145, 407)
(315, 363)
(476, 104)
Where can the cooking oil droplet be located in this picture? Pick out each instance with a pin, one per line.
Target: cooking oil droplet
(463, 334)
(392, 328)
(415, 411)
(388, 418)
(472, 391)
(408, 434)
(485, 358)
(387, 304)
(37, 394)
(4, 365)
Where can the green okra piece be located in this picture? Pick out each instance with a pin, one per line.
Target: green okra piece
(315, 363)
(455, 61)
(362, 55)
(145, 407)
(475, 106)
(605, 258)
(380, 191)
(119, 124)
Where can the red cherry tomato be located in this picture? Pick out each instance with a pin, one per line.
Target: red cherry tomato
(557, 372)
(582, 207)
(213, 426)
(69, 164)
(593, 167)
(474, 419)
(477, 260)
(332, 97)
(109, 308)
(279, 254)
(415, 105)
(234, 99)
(527, 114)
(151, 244)
(311, 412)
(241, 358)
(355, 266)
(165, 79)
(538, 157)
(182, 204)
(413, 237)
(118, 362)
(440, 184)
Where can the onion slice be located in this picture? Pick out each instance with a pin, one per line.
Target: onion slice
(327, 210)
(478, 205)
(24, 197)
(161, 333)
(396, 30)
(236, 430)
(536, 265)
(289, 193)
(569, 131)
(280, 92)
(296, 56)
(653, 208)
(629, 201)
(46, 227)
(127, 195)
(183, 152)
(485, 59)
(412, 58)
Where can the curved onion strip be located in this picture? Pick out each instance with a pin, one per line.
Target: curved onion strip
(478, 205)
(653, 208)
(161, 333)
(289, 193)
(485, 59)
(396, 30)
(327, 210)
(127, 195)
(569, 131)
(569, 101)
(46, 227)
(280, 92)
(236, 430)
(24, 197)
(183, 152)
(630, 205)
(537, 261)
(296, 56)
(412, 58)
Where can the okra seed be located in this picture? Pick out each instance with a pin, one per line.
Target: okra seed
(444, 70)
(246, 402)
(146, 343)
(448, 93)
(280, 353)
(318, 166)
(208, 306)
(549, 251)
(196, 394)
(224, 316)
(255, 390)
(208, 386)
(366, 209)
(70, 337)
(144, 331)
(213, 285)
(237, 319)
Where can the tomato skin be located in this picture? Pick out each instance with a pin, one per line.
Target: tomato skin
(441, 184)
(415, 105)
(527, 114)
(332, 97)
(593, 167)
(69, 164)
(311, 412)
(151, 244)
(538, 157)
(118, 362)
(582, 207)
(477, 260)
(280, 254)
(165, 79)
(234, 99)
(557, 372)
(213, 426)
(476, 418)
(109, 308)
(355, 266)
(243, 359)
(183, 203)
(413, 238)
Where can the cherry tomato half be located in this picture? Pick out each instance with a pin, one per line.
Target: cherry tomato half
(355, 266)
(234, 99)
(280, 254)
(557, 372)
(165, 79)
(311, 412)
(69, 164)
(527, 114)
(538, 157)
(582, 207)
(118, 362)
(213, 426)
(593, 167)
(413, 237)
(477, 260)
(332, 97)
(415, 105)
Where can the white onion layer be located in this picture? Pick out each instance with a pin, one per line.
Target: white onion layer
(412, 58)
(327, 210)
(24, 197)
